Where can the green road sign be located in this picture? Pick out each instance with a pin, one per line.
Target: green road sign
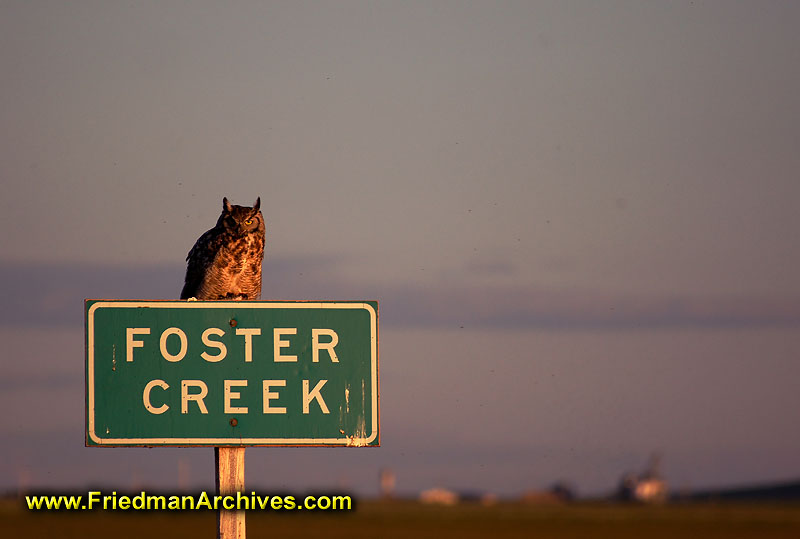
(217, 373)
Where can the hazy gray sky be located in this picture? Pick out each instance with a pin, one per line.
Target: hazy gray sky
(604, 194)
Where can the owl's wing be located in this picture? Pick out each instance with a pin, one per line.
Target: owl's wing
(199, 262)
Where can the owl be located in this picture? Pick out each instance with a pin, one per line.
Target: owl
(225, 262)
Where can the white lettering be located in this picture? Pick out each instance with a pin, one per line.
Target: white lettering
(232, 395)
(132, 343)
(223, 350)
(314, 394)
(272, 395)
(280, 343)
(329, 346)
(248, 341)
(146, 397)
(197, 397)
(163, 344)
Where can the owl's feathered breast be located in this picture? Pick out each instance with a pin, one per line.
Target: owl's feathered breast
(222, 265)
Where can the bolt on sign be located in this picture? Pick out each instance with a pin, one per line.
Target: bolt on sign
(231, 373)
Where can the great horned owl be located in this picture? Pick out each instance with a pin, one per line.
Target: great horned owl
(225, 262)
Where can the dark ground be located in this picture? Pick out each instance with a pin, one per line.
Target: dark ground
(410, 519)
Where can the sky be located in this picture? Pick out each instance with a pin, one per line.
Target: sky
(577, 218)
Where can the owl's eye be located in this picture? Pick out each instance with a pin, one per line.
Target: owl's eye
(249, 222)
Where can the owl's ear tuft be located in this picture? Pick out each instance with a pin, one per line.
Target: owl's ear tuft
(257, 205)
(226, 205)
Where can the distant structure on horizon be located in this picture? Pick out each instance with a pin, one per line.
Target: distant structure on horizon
(647, 487)
(559, 493)
(786, 491)
(388, 479)
(438, 496)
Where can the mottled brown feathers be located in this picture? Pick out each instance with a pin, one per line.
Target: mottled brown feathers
(225, 262)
